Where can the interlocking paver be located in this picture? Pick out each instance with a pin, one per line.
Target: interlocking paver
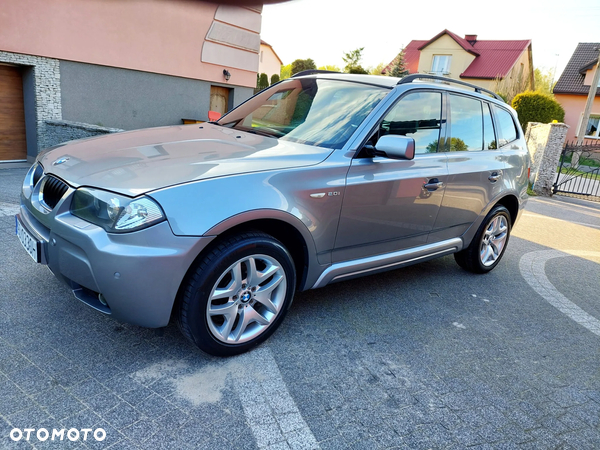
(370, 363)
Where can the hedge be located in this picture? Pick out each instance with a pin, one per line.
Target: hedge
(537, 107)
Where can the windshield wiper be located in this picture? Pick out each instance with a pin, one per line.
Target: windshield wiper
(261, 132)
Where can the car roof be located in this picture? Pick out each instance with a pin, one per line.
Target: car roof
(415, 81)
(377, 80)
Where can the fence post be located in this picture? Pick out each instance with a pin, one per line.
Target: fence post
(545, 143)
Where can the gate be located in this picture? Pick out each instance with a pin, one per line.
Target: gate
(579, 171)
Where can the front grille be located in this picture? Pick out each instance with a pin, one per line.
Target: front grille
(52, 191)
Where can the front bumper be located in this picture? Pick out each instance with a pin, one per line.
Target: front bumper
(134, 277)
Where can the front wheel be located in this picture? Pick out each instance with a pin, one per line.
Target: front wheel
(488, 245)
(237, 295)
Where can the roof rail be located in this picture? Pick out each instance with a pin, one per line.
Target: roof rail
(312, 72)
(426, 76)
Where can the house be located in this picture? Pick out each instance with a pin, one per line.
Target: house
(480, 62)
(268, 61)
(97, 64)
(572, 89)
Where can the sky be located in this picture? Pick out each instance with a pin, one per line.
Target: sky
(324, 29)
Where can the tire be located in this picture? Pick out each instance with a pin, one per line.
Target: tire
(237, 295)
(487, 247)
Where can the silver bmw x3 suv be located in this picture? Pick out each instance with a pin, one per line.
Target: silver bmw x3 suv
(319, 178)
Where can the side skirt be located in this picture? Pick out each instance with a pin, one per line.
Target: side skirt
(388, 261)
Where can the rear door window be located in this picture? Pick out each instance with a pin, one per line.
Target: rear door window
(466, 124)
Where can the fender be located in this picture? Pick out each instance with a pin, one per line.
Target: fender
(314, 268)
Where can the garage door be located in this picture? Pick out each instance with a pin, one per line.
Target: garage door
(13, 145)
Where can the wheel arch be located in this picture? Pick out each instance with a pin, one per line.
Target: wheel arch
(284, 227)
(284, 232)
(511, 203)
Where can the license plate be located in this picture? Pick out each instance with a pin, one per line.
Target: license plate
(28, 241)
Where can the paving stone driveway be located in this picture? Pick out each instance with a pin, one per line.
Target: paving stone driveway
(425, 357)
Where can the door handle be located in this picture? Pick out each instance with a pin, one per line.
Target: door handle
(433, 184)
(495, 176)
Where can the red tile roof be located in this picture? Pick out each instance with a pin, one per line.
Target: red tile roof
(411, 57)
(492, 58)
(496, 58)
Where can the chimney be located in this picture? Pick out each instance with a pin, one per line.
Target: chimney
(471, 37)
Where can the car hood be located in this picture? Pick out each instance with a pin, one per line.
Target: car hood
(136, 162)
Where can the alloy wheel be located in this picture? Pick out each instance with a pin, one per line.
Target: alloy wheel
(493, 240)
(246, 299)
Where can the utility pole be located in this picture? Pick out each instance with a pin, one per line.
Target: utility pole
(590, 101)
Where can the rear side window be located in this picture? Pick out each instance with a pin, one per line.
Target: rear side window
(417, 115)
(466, 124)
(507, 131)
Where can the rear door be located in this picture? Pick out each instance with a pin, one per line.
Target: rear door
(387, 206)
(475, 166)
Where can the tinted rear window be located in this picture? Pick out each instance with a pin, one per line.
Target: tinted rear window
(507, 131)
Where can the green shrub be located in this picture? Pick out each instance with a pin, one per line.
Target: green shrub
(274, 78)
(301, 65)
(264, 81)
(537, 107)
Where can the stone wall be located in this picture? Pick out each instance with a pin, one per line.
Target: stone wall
(545, 143)
(59, 131)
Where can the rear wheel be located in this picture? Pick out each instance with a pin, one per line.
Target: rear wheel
(237, 295)
(488, 245)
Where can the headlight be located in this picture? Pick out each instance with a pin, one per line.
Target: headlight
(115, 213)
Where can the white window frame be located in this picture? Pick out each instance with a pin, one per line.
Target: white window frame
(597, 135)
(440, 64)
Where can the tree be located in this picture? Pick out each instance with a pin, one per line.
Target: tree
(399, 66)
(544, 81)
(302, 64)
(263, 81)
(330, 67)
(537, 107)
(352, 60)
(274, 78)
(286, 72)
(377, 70)
(458, 145)
(514, 83)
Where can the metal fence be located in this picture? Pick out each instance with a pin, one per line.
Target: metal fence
(579, 171)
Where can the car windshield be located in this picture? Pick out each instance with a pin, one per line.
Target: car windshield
(307, 110)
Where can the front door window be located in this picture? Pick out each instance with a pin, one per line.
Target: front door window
(419, 116)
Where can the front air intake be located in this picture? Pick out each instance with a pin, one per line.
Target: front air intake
(52, 190)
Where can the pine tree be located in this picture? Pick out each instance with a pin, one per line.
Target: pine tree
(399, 66)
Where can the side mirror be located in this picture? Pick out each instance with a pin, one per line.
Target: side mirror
(395, 147)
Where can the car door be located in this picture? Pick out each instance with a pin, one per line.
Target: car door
(475, 166)
(391, 204)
